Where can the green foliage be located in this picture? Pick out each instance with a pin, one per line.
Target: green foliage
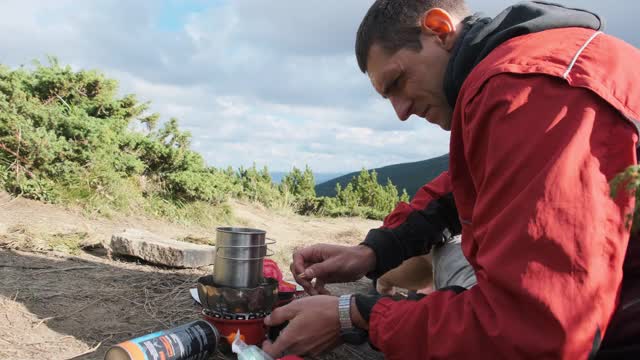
(56, 124)
(70, 243)
(209, 186)
(67, 136)
(364, 197)
(257, 186)
(405, 195)
(629, 181)
(300, 185)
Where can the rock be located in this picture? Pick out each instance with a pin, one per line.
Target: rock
(158, 250)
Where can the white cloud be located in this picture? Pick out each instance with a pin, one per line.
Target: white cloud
(243, 131)
(270, 82)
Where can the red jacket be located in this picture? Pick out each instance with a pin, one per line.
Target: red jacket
(540, 127)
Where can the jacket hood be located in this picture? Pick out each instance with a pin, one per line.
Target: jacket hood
(481, 35)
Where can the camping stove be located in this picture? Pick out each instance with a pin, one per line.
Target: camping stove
(232, 309)
(238, 296)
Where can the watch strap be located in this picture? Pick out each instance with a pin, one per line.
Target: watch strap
(344, 311)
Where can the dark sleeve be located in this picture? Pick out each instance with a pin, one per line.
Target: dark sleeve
(365, 303)
(411, 229)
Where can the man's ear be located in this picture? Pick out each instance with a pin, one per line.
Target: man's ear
(439, 22)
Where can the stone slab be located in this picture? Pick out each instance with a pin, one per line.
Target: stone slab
(160, 250)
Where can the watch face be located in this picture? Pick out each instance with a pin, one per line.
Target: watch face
(354, 336)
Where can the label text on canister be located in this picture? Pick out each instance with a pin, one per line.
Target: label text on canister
(192, 341)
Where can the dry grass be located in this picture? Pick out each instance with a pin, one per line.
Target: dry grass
(95, 301)
(200, 240)
(19, 237)
(347, 237)
(54, 305)
(20, 338)
(80, 304)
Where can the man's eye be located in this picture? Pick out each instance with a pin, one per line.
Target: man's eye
(394, 85)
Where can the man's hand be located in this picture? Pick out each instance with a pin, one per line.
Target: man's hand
(314, 327)
(330, 264)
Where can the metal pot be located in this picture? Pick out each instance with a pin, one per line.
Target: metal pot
(240, 254)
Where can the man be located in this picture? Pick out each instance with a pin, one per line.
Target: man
(541, 106)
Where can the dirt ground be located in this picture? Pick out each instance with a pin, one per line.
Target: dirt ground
(54, 305)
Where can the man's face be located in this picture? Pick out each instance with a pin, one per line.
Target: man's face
(412, 80)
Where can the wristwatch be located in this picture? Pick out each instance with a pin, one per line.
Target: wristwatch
(349, 333)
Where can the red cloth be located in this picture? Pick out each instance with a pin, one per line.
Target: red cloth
(531, 157)
(270, 269)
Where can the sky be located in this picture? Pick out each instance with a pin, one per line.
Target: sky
(273, 83)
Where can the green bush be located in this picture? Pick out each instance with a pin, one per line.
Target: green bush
(67, 136)
(363, 197)
(629, 181)
(299, 187)
(257, 186)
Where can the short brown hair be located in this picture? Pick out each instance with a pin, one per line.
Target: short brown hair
(394, 25)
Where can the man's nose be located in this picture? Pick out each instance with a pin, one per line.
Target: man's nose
(401, 106)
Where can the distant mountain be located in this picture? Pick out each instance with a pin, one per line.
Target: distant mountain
(277, 176)
(324, 177)
(410, 176)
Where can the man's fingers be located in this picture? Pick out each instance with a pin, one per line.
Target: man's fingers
(283, 344)
(319, 271)
(276, 349)
(308, 255)
(297, 267)
(281, 314)
(306, 284)
(319, 287)
(311, 290)
(312, 263)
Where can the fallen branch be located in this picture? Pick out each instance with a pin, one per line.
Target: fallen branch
(11, 152)
(19, 138)
(20, 161)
